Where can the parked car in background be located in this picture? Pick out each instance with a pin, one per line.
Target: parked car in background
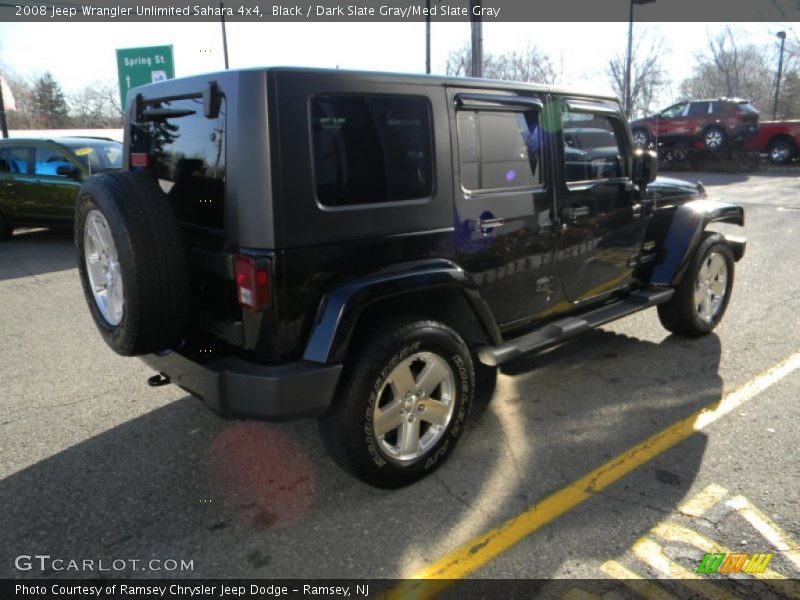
(712, 123)
(780, 140)
(40, 178)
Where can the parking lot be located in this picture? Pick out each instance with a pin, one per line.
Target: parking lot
(94, 464)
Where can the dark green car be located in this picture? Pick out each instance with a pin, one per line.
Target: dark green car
(40, 178)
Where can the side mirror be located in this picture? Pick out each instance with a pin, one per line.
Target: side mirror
(68, 171)
(645, 167)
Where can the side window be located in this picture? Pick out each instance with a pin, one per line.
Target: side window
(698, 109)
(48, 160)
(592, 148)
(4, 166)
(499, 150)
(18, 159)
(371, 149)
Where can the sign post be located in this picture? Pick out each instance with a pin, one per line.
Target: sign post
(139, 66)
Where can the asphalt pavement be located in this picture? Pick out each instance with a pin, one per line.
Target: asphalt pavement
(94, 464)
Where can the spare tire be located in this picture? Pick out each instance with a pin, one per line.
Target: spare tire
(132, 262)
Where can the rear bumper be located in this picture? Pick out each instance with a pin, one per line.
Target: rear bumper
(232, 387)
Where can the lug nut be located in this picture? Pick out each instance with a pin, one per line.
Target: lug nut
(421, 407)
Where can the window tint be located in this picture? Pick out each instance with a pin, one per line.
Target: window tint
(592, 149)
(48, 160)
(371, 149)
(698, 109)
(18, 160)
(499, 150)
(188, 157)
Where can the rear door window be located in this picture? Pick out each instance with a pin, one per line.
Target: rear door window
(371, 149)
(698, 109)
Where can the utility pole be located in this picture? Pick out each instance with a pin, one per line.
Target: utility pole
(782, 36)
(629, 58)
(427, 37)
(477, 39)
(224, 36)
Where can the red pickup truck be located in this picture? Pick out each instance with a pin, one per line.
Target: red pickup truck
(779, 139)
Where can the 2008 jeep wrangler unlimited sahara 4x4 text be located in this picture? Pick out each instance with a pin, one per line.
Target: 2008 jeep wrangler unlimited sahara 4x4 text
(353, 246)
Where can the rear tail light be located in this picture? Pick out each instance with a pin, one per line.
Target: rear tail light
(252, 283)
(140, 159)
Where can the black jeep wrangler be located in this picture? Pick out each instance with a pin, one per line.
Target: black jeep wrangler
(290, 243)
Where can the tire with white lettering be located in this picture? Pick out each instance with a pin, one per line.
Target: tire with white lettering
(402, 403)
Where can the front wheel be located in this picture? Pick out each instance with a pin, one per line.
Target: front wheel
(700, 300)
(402, 405)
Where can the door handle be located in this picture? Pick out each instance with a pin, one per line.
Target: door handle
(485, 226)
(573, 213)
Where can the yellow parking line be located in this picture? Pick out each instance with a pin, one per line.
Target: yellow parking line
(646, 589)
(766, 527)
(653, 555)
(699, 504)
(482, 549)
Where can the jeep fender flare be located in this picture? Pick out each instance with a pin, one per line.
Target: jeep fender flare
(343, 304)
(685, 233)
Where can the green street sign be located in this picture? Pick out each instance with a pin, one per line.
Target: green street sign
(138, 66)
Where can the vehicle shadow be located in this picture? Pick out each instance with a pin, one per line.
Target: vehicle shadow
(33, 252)
(250, 499)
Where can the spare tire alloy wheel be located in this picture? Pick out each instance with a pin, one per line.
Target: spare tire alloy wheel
(103, 268)
(132, 262)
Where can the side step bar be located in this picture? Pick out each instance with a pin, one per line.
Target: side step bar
(559, 331)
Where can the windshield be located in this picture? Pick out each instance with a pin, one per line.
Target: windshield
(96, 155)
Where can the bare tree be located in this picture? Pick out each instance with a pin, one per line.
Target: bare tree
(529, 65)
(649, 80)
(96, 106)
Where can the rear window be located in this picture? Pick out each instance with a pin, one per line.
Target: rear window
(748, 108)
(371, 149)
(187, 154)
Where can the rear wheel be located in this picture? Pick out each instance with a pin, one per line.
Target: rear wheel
(403, 403)
(700, 300)
(781, 151)
(714, 138)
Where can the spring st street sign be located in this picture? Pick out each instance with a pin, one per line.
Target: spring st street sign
(138, 66)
